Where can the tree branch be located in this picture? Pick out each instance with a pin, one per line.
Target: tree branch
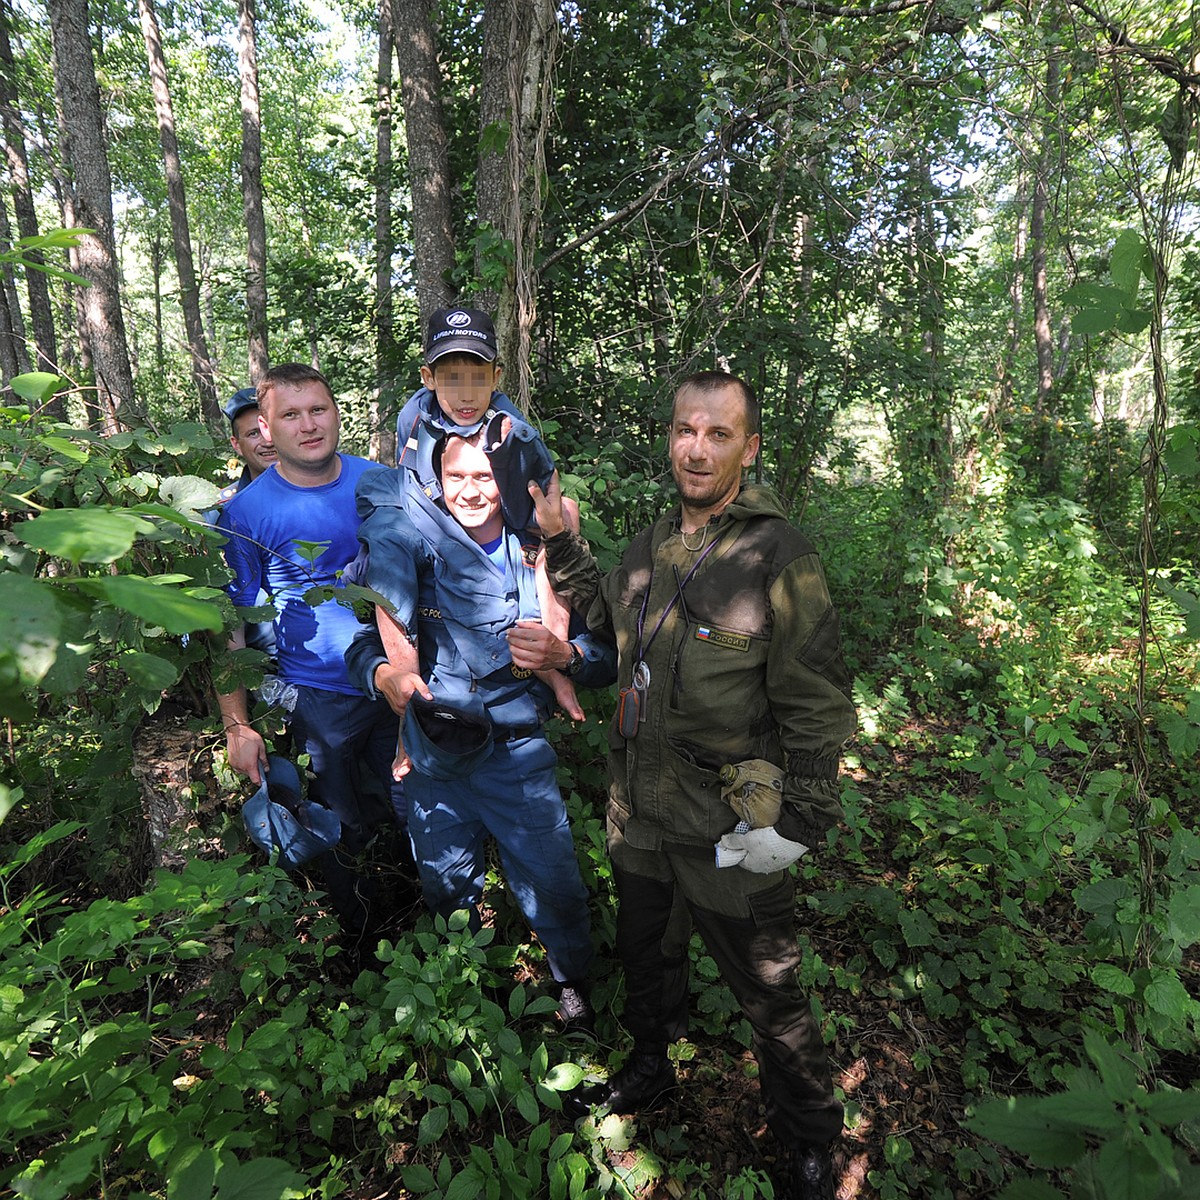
(1165, 64)
(718, 146)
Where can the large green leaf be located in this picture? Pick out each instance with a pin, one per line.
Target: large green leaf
(1030, 1189)
(1165, 994)
(189, 494)
(192, 1174)
(1183, 915)
(35, 386)
(1082, 1110)
(562, 1077)
(1103, 896)
(1113, 979)
(258, 1179)
(156, 604)
(1117, 1073)
(1172, 1108)
(1129, 262)
(67, 447)
(30, 630)
(1020, 1125)
(149, 670)
(96, 535)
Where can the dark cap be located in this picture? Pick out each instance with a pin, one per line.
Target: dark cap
(447, 738)
(461, 331)
(239, 402)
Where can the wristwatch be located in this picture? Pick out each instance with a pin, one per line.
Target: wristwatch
(575, 661)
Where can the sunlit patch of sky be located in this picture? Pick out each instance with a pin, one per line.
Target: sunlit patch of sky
(342, 40)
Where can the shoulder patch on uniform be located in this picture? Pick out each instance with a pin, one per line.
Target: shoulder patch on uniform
(529, 555)
(718, 637)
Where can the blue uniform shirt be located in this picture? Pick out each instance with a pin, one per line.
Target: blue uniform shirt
(447, 589)
(264, 525)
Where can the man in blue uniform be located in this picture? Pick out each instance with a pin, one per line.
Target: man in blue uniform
(475, 759)
(294, 530)
(461, 378)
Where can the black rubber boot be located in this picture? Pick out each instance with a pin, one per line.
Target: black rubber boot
(644, 1082)
(809, 1175)
(646, 1079)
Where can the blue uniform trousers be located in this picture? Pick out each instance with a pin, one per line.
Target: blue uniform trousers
(345, 737)
(514, 797)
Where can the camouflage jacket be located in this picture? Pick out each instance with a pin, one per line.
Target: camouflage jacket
(745, 663)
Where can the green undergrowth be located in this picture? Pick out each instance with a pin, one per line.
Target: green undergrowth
(183, 1041)
(1009, 911)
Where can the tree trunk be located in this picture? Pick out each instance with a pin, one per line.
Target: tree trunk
(505, 36)
(83, 141)
(520, 43)
(8, 342)
(210, 313)
(383, 432)
(75, 354)
(1016, 298)
(252, 194)
(41, 314)
(14, 322)
(428, 153)
(1043, 338)
(155, 248)
(1043, 335)
(203, 374)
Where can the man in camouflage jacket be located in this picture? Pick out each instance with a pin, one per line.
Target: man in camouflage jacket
(729, 653)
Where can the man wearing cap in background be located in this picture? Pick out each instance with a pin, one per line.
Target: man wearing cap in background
(253, 446)
(249, 441)
(475, 758)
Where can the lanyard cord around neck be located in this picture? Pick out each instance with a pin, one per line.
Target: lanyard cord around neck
(643, 648)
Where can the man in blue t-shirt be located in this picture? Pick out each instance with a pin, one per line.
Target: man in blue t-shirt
(294, 530)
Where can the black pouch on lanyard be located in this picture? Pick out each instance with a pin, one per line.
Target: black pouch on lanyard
(629, 711)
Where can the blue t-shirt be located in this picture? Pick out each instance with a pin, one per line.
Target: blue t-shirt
(263, 525)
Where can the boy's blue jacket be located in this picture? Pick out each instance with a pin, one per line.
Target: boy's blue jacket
(520, 457)
(448, 592)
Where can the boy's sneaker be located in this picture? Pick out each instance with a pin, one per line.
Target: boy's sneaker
(575, 1010)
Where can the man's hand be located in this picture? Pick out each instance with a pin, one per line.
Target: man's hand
(548, 507)
(397, 686)
(247, 751)
(535, 648)
(759, 850)
(401, 764)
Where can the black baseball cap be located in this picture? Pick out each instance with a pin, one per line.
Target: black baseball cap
(461, 331)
